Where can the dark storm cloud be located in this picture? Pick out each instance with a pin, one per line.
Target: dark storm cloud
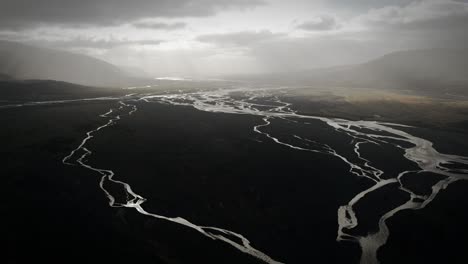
(319, 24)
(160, 25)
(28, 13)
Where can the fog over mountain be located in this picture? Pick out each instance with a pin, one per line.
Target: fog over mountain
(205, 38)
(412, 69)
(4, 77)
(29, 62)
(417, 69)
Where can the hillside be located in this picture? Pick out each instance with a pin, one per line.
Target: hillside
(5, 77)
(16, 91)
(406, 69)
(434, 69)
(28, 62)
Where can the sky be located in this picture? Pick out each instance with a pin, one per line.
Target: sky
(207, 38)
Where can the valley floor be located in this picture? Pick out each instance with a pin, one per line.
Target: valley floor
(240, 161)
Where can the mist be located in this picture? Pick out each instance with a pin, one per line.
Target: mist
(219, 38)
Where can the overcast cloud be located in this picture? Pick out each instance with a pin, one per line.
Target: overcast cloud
(216, 37)
(320, 23)
(30, 13)
(160, 25)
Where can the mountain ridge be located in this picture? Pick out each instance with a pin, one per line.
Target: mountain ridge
(23, 61)
(407, 69)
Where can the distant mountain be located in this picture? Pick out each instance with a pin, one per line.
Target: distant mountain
(407, 69)
(135, 72)
(5, 77)
(14, 91)
(413, 69)
(27, 62)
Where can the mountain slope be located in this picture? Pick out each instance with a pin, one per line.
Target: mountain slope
(27, 62)
(17, 91)
(407, 69)
(5, 77)
(414, 69)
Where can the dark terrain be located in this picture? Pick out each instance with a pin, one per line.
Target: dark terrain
(209, 168)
